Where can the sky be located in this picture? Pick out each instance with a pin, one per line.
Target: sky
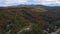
(29, 2)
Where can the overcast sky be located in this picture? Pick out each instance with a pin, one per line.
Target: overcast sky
(40, 2)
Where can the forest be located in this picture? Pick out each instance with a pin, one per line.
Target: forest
(29, 20)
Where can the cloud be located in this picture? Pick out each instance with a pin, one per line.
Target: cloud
(51, 2)
(27, 2)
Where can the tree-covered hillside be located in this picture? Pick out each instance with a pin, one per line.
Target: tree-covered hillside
(28, 20)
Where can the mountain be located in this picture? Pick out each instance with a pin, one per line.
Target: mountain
(31, 19)
(36, 6)
(42, 6)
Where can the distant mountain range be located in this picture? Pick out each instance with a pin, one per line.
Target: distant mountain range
(41, 6)
(37, 6)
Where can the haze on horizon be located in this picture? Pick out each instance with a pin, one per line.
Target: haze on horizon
(29, 2)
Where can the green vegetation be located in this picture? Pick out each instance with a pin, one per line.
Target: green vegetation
(28, 20)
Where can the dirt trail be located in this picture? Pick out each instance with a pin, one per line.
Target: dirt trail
(56, 32)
